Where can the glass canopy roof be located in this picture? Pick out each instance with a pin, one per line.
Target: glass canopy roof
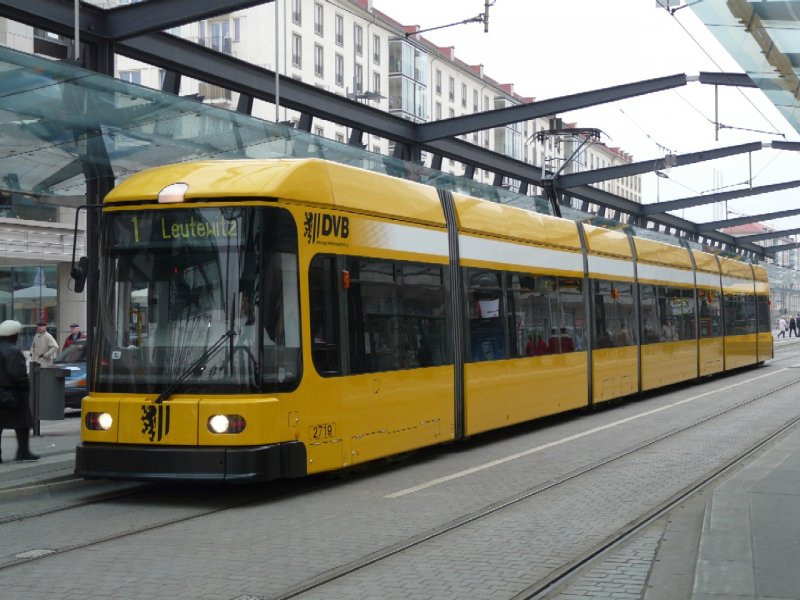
(764, 38)
(53, 114)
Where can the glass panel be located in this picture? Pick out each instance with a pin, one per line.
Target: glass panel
(573, 318)
(323, 293)
(487, 335)
(209, 295)
(710, 323)
(613, 314)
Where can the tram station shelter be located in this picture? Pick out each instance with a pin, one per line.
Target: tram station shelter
(71, 131)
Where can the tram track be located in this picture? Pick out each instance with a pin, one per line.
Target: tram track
(558, 578)
(141, 492)
(293, 488)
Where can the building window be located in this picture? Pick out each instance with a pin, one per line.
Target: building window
(221, 36)
(339, 30)
(339, 66)
(464, 95)
(438, 110)
(376, 83)
(474, 101)
(131, 76)
(319, 61)
(358, 78)
(438, 82)
(319, 131)
(297, 12)
(318, 19)
(376, 49)
(358, 39)
(452, 89)
(237, 30)
(340, 138)
(297, 51)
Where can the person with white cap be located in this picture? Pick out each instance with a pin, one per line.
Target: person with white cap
(75, 334)
(15, 409)
(44, 347)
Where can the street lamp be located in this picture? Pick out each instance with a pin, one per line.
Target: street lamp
(660, 175)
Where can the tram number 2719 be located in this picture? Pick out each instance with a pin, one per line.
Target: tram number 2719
(322, 431)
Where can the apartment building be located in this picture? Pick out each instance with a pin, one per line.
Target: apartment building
(345, 47)
(350, 48)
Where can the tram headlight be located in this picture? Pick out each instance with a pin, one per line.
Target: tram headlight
(226, 424)
(175, 192)
(96, 421)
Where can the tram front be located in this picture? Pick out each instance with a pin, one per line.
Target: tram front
(197, 341)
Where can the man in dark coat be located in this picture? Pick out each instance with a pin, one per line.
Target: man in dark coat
(14, 381)
(75, 334)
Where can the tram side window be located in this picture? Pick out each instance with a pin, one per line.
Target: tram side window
(709, 311)
(677, 310)
(740, 312)
(422, 315)
(749, 313)
(648, 306)
(395, 315)
(323, 292)
(532, 310)
(614, 323)
(762, 309)
(485, 310)
(572, 330)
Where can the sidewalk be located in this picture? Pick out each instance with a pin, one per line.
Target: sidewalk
(56, 446)
(741, 540)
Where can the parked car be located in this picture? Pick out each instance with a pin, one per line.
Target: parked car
(73, 359)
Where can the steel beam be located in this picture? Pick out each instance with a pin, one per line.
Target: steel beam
(733, 79)
(661, 207)
(57, 16)
(723, 223)
(447, 128)
(648, 166)
(771, 235)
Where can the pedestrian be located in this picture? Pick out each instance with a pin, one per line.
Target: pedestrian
(15, 409)
(75, 334)
(792, 327)
(44, 347)
(781, 327)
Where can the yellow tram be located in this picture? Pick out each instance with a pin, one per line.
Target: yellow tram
(277, 318)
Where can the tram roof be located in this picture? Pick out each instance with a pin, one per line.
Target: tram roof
(312, 182)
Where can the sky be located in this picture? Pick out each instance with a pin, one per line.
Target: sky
(552, 48)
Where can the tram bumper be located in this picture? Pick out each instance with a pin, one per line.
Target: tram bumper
(190, 463)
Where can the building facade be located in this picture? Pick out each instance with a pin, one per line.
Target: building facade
(345, 47)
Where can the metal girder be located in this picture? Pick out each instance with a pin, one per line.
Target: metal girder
(157, 15)
(772, 250)
(771, 235)
(514, 114)
(603, 198)
(167, 51)
(768, 235)
(58, 16)
(734, 79)
(648, 166)
(712, 225)
(779, 145)
(660, 207)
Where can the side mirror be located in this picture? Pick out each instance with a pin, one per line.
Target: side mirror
(79, 273)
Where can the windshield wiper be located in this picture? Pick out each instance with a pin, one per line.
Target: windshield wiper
(211, 351)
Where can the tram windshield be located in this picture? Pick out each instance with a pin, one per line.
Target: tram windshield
(174, 282)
